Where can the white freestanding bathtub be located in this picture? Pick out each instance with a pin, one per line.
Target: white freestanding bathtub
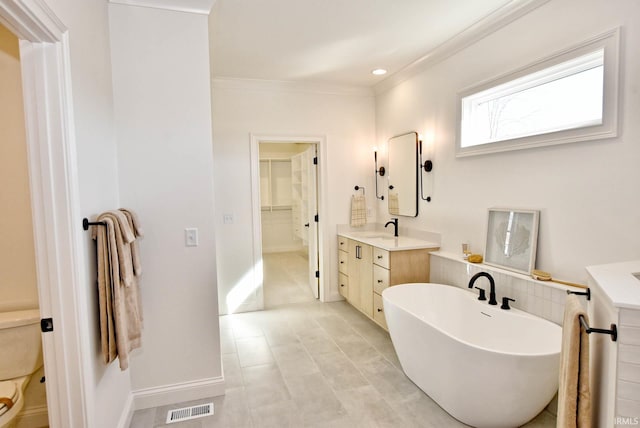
(486, 366)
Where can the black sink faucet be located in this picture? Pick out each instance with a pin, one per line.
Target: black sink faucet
(394, 222)
(492, 283)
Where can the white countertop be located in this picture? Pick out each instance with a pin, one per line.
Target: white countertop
(387, 241)
(620, 281)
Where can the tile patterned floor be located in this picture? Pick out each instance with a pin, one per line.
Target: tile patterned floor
(312, 364)
(286, 276)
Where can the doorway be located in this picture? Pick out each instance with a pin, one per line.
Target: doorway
(18, 282)
(46, 76)
(288, 221)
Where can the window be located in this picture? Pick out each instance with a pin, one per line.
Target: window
(568, 97)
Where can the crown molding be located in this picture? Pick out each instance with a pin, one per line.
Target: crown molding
(289, 86)
(201, 7)
(31, 20)
(491, 23)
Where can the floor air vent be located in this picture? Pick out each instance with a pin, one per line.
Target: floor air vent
(193, 412)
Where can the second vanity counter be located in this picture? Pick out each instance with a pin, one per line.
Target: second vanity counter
(370, 261)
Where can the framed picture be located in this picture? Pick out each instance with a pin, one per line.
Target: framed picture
(512, 239)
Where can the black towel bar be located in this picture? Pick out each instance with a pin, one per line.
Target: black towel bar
(613, 332)
(86, 223)
(581, 293)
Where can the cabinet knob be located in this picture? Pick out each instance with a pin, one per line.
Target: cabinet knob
(341, 285)
(379, 281)
(379, 310)
(341, 262)
(379, 257)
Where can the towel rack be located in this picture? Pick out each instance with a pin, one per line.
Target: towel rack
(359, 188)
(613, 331)
(86, 223)
(581, 293)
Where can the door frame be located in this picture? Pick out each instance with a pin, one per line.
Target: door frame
(52, 163)
(323, 243)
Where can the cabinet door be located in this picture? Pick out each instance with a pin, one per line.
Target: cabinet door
(378, 311)
(353, 273)
(343, 285)
(380, 278)
(365, 279)
(360, 272)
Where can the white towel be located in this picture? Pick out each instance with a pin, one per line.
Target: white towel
(358, 211)
(574, 395)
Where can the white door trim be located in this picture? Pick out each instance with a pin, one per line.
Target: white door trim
(323, 243)
(46, 81)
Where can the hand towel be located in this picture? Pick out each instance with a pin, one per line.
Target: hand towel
(358, 211)
(134, 224)
(394, 204)
(574, 396)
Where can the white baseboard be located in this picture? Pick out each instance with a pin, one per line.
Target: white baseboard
(34, 417)
(177, 393)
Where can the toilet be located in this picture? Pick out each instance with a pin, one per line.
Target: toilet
(20, 357)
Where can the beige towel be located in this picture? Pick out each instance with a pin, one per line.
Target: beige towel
(358, 211)
(107, 325)
(574, 396)
(120, 306)
(134, 224)
(394, 204)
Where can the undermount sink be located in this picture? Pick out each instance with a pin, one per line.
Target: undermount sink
(378, 236)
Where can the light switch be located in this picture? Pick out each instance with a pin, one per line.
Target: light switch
(191, 237)
(228, 219)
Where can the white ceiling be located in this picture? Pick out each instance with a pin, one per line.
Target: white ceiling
(333, 41)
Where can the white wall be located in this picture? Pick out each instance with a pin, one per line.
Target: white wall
(586, 192)
(163, 114)
(106, 387)
(18, 286)
(240, 108)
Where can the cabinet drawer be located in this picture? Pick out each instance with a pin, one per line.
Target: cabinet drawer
(343, 243)
(381, 257)
(378, 311)
(343, 285)
(380, 278)
(343, 262)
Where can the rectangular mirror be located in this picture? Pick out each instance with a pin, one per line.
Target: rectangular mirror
(403, 175)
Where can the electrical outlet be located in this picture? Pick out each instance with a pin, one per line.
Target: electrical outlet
(191, 237)
(228, 219)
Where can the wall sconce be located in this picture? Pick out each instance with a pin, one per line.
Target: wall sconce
(428, 167)
(380, 171)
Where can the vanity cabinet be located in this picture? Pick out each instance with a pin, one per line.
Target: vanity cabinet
(365, 270)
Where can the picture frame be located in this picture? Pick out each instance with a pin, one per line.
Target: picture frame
(512, 239)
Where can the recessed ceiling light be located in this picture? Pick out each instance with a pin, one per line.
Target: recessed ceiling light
(379, 71)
